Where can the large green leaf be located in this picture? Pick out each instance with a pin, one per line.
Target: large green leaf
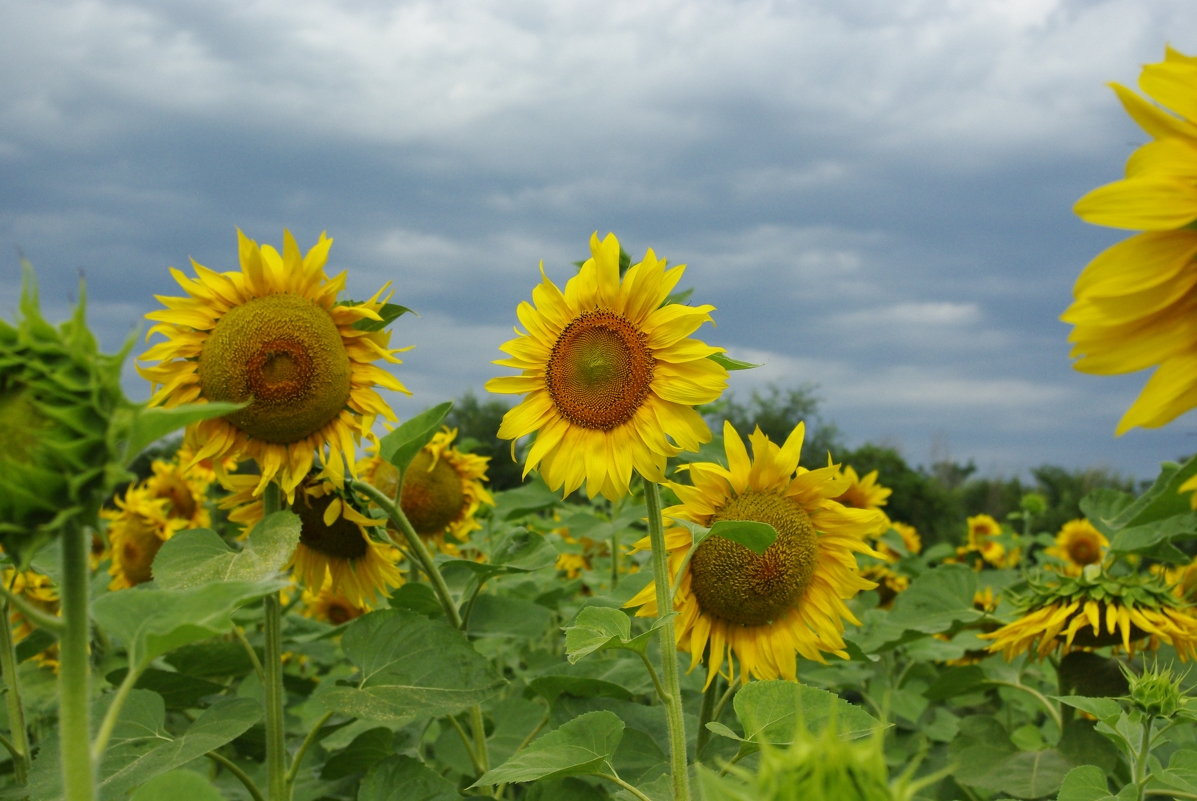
(176, 785)
(151, 622)
(1085, 783)
(1181, 773)
(777, 711)
(402, 778)
(195, 558)
(401, 445)
(584, 745)
(412, 667)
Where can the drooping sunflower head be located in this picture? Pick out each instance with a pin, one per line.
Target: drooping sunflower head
(337, 547)
(757, 612)
(1133, 304)
(1078, 544)
(1096, 609)
(137, 527)
(609, 374)
(274, 336)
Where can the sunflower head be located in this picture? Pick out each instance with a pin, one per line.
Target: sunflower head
(863, 491)
(61, 406)
(137, 527)
(609, 374)
(756, 612)
(1096, 609)
(330, 607)
(275, 337)
(1078, 544)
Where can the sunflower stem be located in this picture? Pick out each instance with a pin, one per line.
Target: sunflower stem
(1141, 775)
(272, 669)
(108, 723)
(74, 670)
(706, 715)
(16, 710)
(417, 546)
(670, 669)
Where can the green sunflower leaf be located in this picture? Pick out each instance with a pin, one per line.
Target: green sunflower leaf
(775, 711)
(584, 745)
(600, 628)
(754, 536)
(1085, 783)
(401, 445)
(729, 363)
(150, 424)
(195, 558)
(175, 785)
(411, 667)
(402, 778)
(389, 313)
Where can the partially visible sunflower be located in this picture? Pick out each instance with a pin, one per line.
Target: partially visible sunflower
(137, 527)
(609, 375)
(863, 491)
(757, 613)
(185, 491)
(40, 591)
(442, 489)
(1135, 305)
(983, 548)
(1078, 544)
(330, 607)
(1094, 610)
(275, 335)
(1181, 578)
(336, 549)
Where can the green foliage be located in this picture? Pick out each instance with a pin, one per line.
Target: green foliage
(478, 423)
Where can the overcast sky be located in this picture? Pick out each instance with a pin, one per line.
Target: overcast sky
(876, 194)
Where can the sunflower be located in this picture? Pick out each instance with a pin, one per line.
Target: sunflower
(336, 550)
(758, 612)
(1093, 610)
(1134, 304)
(330, 607)
(442, 489)
(1078, 544)
(863, 491)
(889, 581)
(183, 490)
(274, 335)
(609, 374)
(137, 527)
(40, 592)
(983, 533)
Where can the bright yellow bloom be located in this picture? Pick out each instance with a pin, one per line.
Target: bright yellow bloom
(40, 592)
(1134, 304)
(274, 334)
(330, 607)
(336, 550)
(137, 528)
(609, 375)
(1091, 611)
(757, 613)
(863, 491)
(1078, 544)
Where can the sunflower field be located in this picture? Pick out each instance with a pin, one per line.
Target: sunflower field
(261, 585)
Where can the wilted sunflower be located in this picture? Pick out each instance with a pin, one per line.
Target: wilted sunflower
(274, 334)
(760, 611)
(336, 550)
(1078, 544)
(1093, 610)
(609, 375)
(442, 488)
(1134, 304)
(137, 527)
(863, 491)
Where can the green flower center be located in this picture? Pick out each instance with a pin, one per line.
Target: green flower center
(600, 370)
(344, 539)
(432, 497)
(739, 586)
(283, 353)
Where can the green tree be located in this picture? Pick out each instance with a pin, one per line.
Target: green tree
(477, 423)
(918, 498)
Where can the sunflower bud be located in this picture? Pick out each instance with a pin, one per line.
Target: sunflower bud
(58, 398)
(1157, 692)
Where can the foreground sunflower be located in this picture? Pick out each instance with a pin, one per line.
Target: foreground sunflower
(609, 375)
(1094, 610)
(336, 550)
(274, 334)
(757, 613)
(1134, 304)
(1078, 544)
(442, 489)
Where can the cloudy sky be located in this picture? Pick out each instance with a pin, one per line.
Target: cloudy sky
(876, 194)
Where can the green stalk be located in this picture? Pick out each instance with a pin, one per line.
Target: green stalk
(416, 545)
(710, 697)
(670, 669)
(272, 667)
(1141, 776)
(74, 670)
(16, 710)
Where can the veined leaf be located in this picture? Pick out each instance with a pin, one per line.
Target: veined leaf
(584, 745)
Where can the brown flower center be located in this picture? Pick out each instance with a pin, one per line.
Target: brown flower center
(284, 353)
(344, 539)
(600, 370)
(1084, 551)
(739, 586)
(432, 497)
